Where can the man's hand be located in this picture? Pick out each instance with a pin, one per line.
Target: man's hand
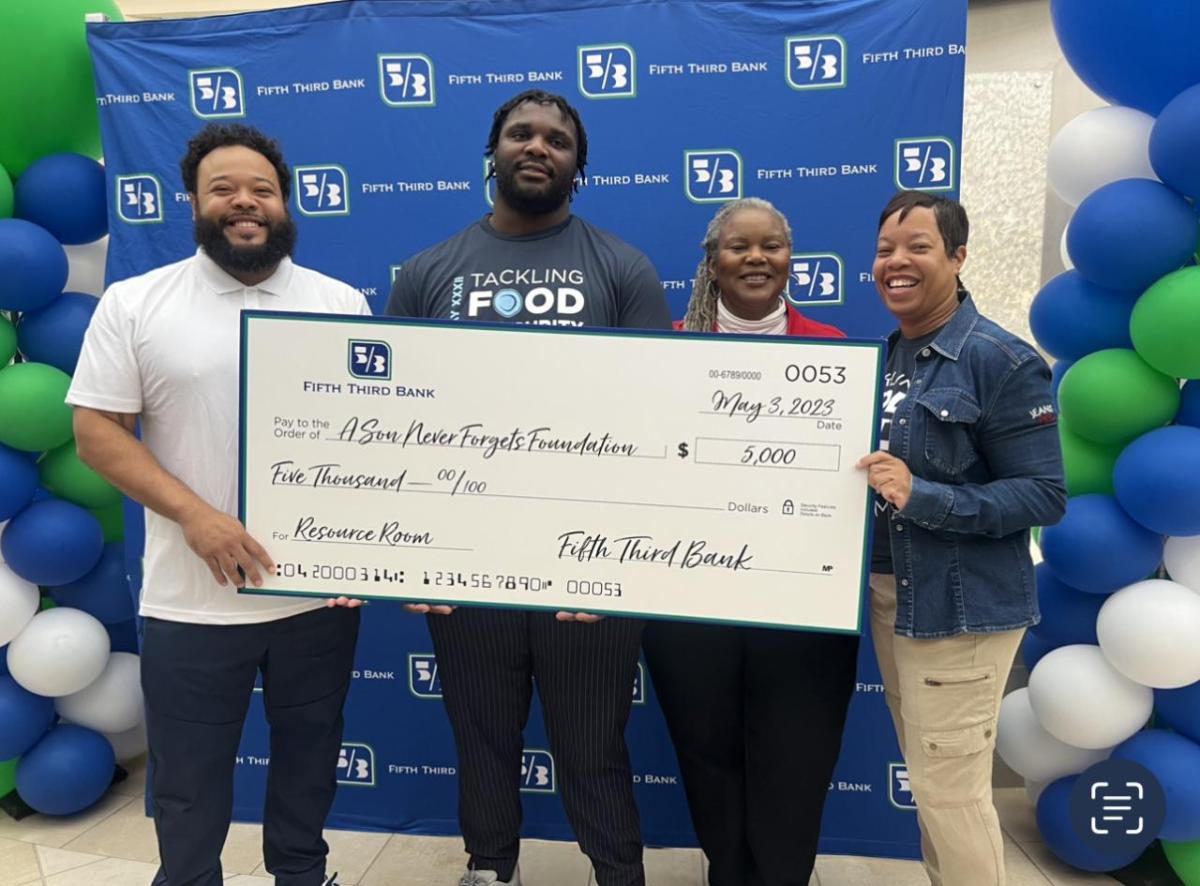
(888, 476)
(585, 617)
(426, 608)
(224, 545)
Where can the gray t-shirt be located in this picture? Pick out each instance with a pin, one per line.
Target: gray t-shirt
(573, 274)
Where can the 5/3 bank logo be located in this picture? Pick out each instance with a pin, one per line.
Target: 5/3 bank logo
(139, 199)
(925, 164)
(322, 190)
(607, 71)
(899, 789)
(815, 279)
(406, 80)
(356, 765)
(816, 62)
(370, 359)
(217, 93)
(537, 772)
(713, 176)
(423, 679)
(639, 684)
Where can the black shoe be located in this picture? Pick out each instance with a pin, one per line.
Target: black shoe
(332, 881)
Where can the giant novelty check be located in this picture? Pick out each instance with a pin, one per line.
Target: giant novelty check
(658, 474)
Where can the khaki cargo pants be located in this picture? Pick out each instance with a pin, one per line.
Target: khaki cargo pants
(944, 696)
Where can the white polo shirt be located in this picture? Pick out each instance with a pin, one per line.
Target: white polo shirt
(165, 345)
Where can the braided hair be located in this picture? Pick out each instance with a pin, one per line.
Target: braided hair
(701, 313)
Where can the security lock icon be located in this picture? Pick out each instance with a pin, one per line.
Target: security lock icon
(788, 507)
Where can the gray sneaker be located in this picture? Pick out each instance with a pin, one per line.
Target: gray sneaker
(489, 878)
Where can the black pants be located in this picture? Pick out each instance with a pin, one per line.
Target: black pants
(756, 716)
(197, 681)
(585, 673)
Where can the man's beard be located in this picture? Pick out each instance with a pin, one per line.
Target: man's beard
(281, 241)
(529, 201)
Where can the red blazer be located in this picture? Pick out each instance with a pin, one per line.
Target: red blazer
(798, 325)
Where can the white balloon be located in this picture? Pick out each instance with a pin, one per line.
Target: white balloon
(86, 264)
(60, 651)
(19, 601)
(1182, 559)
(110, 703)
(1082, 700)
(1031, 751)
(1150, 632)
(1062, 250)
(1099, 147)
(1033, 790)
(128, 745)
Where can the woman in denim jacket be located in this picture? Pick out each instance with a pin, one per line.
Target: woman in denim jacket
(969, 462)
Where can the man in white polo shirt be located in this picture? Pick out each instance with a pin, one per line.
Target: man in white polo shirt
(163, 348)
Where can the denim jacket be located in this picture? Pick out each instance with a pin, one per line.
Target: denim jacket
(979, 433)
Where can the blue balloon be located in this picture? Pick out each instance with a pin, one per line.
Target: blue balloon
(1157, 480)
(67, 771)
(1131, 52)
(1099, 548)
(24, 718)
(18, 483)
(103, 592)
(1175, 762)
(1189, 405)
(1129, 233)
(65, 194)
(1068, 615)
(1175, 143)
(1054, 821)
(1180, 709)
(52, 542)
(54, 334)
(4, 661)
(33, 266)
(123, 636)
(1057, 371)
(1033, 647)
(1072, 317)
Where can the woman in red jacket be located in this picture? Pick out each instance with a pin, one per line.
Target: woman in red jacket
(756, 714)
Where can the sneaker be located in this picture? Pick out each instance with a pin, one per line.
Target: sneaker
(489, 878)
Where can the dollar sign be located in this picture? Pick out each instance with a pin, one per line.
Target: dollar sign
(683, 450)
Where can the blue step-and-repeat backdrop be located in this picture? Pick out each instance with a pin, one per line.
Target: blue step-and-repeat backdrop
(824, 107)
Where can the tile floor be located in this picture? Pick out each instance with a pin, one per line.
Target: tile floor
(113, 845)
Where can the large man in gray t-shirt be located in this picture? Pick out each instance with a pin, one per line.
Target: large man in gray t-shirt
(531, 261)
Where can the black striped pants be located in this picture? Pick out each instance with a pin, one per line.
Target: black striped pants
(487, 659)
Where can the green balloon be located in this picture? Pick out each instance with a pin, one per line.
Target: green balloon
(6, 194)
(47, 94)
(1088, 465)
(67, 477)
(1184, 859)
(1113, 396)
(8, 776)
(8, 341)
(1165, 325)
(33, 413)
(47, 602)
(112, 521)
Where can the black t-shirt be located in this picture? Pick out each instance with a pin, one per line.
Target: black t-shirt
(901, 366)
(573, 274)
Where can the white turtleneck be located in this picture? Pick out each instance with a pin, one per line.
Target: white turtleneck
(775, 323)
